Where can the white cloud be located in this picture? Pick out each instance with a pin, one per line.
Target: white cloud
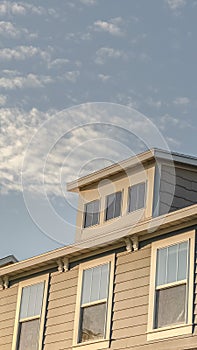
(58, 62)
(111, 26)
(89, 2)
(168, 122)
(103, 77)
(28, 81)
(181, 101)
(22, 8)
(176, 4)
(105, 53)
(3, 100)
(7, 7)
(22, 53)
(8, 29)
(72, 76)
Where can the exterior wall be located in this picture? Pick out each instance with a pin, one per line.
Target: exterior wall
(129, 312)
(185, 189)
(8, 300)
(119, 182)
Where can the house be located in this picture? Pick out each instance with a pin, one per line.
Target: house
(128, 281)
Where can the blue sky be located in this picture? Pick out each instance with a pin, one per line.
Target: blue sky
(141, 54)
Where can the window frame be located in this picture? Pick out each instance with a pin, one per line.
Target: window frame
(85, 213)
(102, 342)
(106, 206)
(173, 329)
(26, 283)
(129, 197)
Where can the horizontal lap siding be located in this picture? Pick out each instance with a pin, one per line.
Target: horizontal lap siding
(8, 300)
(185, 192)
(130, 310)
(61, 310)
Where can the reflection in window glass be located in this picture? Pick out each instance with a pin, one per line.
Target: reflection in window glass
(113, 205)
(136, 197)
(170, 305)
(93, 322)
(91, 215)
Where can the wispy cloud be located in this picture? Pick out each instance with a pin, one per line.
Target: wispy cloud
(89, 2)
(103, 77)
(112, 26)
(22, 53)
(168, 121)
(21, 82)
(3, 100)
(181, 101)
(71, 76)
(176, 4)
(58, 62)
(8, 29)
(153, 103)
(14, 8)
(105, 53)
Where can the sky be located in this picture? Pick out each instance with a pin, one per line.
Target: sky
(84, 84)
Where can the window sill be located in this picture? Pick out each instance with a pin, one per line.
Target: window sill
(170, 331)
(93, 345)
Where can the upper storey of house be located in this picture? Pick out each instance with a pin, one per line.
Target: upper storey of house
(123, 195)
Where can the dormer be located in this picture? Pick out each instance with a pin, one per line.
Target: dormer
(123, 195)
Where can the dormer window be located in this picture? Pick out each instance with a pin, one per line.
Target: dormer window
(91, 214)
(113, 205)
(137, 197)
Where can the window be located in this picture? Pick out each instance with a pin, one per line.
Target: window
(29, 322)
(137, 196)
(171, 287)
(94, 303)
(91, 215)
(113, 205)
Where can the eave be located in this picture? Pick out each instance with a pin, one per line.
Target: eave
(179, 219)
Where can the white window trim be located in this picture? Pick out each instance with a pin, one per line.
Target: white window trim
(179, 329)
(98, 343)
(29, 282)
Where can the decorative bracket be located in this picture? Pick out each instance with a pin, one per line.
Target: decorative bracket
(63, 265)
(132, 243)
(6, 282)
(66, 264)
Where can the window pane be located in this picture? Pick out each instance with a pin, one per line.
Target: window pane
(104, 281)
(137, 197)
(25, 302)
(113, 208)
(161, 266)
(141, 195)
(110, 206)
(87, 282)
(95, 219)
(132, 198)
(31, 302)
(170, 306)
(92, 322)
(117, 204)
(172, 263)
(96, 277)
(29, 335)
(182, 261)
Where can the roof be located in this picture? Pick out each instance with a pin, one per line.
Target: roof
(142, 158)
(179, 219)
(7, 260)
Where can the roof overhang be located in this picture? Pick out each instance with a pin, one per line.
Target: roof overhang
(139, 159)
(163, 224)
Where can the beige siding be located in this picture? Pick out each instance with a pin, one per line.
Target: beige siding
(61, 310)
(8, 299)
